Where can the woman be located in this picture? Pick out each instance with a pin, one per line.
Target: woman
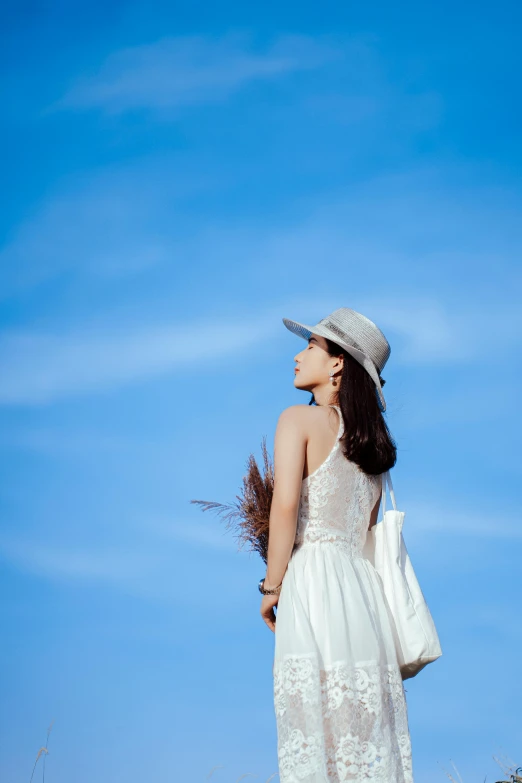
(339, 698)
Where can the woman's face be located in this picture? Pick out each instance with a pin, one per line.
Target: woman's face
(313, 364)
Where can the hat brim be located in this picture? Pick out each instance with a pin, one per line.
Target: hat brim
(305, 331)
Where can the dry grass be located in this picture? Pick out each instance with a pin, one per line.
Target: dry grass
(248, 517)
(512, 772)
(43, 752)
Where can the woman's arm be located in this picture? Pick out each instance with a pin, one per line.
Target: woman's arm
(290, 441)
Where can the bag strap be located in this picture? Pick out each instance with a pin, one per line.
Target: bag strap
(386, 478)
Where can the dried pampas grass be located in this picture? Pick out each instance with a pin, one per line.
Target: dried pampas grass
(248, 517)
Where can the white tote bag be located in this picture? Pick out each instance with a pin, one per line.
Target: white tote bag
(416, 637)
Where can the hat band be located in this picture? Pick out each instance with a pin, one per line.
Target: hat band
(341, 334)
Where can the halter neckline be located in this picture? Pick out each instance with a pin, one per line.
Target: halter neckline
(334, 447)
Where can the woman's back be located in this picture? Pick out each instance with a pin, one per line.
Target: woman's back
(337, 499)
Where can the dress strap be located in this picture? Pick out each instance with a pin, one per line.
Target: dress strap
(341, 421)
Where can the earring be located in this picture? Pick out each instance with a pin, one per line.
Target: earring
(331, 374)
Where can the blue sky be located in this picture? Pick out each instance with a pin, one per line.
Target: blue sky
(177, 179)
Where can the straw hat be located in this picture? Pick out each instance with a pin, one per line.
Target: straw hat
(359, 336)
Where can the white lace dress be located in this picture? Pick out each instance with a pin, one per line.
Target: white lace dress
(339, 699)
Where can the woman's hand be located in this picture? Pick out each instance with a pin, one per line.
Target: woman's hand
(267, 610)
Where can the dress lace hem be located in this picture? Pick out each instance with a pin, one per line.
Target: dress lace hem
(341, 722)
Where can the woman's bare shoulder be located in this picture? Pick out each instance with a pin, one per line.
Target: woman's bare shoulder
(297, 411)
(294, 425)
(301, 415)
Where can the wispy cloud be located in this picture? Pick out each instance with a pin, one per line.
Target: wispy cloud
(39, 368)
(181, 71)
(212, 536)
(105, 225)
(102, 227)
(141, 562)
(433, 332)
(134, 220)
(76, 563)
(504, 525)
(77, 444)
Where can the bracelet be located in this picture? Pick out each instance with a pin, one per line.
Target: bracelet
(273, 591)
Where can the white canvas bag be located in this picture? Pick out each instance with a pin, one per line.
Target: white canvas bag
(416, 637)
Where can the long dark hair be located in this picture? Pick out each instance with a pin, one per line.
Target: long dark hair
(367, 440)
